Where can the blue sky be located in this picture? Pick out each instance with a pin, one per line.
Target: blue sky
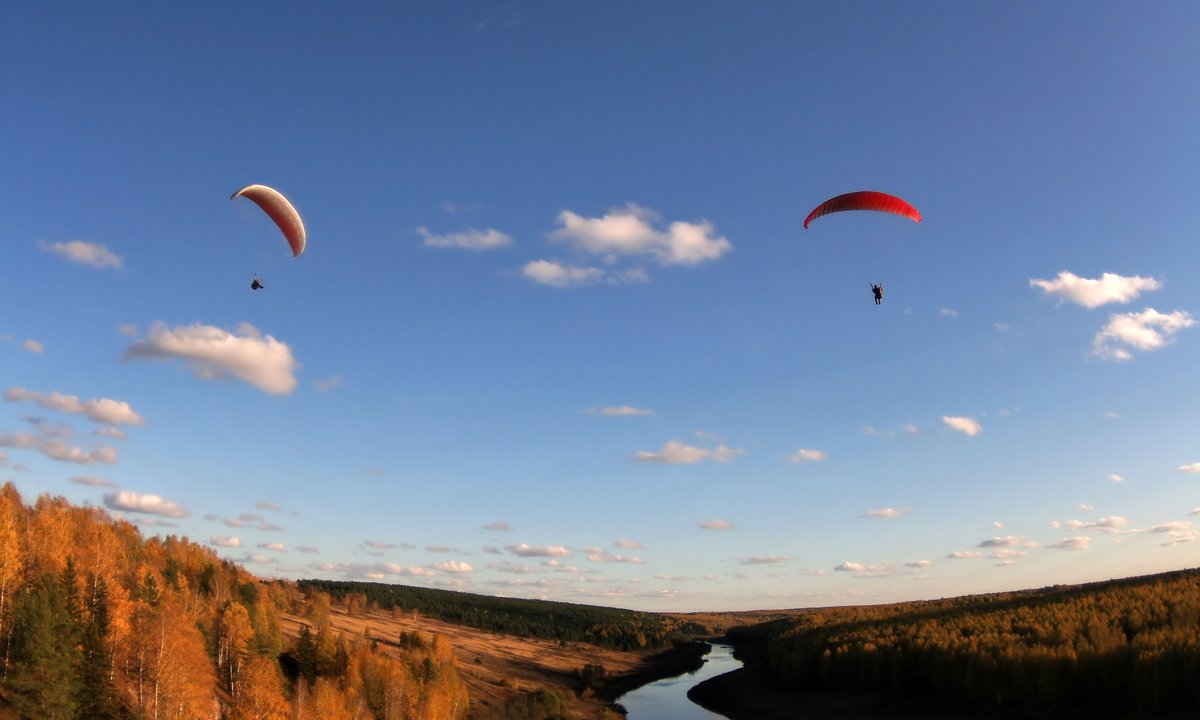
(559, 331)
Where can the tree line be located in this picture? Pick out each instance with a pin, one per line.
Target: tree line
(1132, 644)
(566, 622)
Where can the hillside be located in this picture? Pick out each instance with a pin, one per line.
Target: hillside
(1129, 646)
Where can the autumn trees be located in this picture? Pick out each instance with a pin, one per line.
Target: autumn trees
(97, 623)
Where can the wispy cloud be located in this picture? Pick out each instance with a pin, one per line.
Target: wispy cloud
(766, 560)
(268, 505)
(948, 312)
(33, 346)
(1073, 543)
(806, 455)
(101, 410)
(625, 544)
(57, 449)
(309, 549)
(887, 512)
(1090, 293)
(1114, 477)
(91, 481)
(964, 554)
(715, 524)
(676, 452)
(599, 555)
(619, 411)
(231, 541)
(273, 547)
(965, 425)
(83, 253)
(1004, 541)
(326, 384)
(143, 503)
(556, 274)
(498, 526)
(216, 354)
(469, 239)
(1191, 468)
(1145, 331)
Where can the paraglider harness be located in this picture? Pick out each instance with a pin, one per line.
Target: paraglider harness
(878, 290)
(256, 284)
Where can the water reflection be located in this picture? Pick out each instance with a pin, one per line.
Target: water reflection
(667, 699)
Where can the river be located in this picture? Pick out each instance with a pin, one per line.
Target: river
(667, 699)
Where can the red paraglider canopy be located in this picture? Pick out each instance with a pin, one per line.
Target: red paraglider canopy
(865, 200)
(277, 207)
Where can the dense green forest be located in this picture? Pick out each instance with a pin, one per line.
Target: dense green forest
(1132, 644)
(99, 623)
(608, 627)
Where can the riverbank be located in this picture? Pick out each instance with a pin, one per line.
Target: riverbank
(683, 657)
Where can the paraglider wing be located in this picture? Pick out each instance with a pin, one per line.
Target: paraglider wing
(865, 200)
(277, 207)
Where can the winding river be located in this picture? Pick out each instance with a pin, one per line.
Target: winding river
(667, 699)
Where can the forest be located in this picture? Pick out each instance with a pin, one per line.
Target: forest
(607, 627)
(1130, 644)
(99, 623)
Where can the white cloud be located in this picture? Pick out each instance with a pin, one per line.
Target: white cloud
(143, 503)
(309, 549)
(268, 505)
(631, 232)
(1090, 293)
(498, 526)
(101, 410)
(629, 544)
(1192, 468)
(997, 524)
(273, 547)
(715, 524)
(1007, 554)
(83, 253)
(91, 481)
(919, 564)
(454, 567)
(33, 346)
(619, 411)
(806, 455)
(964, 554)
(676, 452)
(215, 354)
(886, 513)
(766, 560)
(1146, 331)
(440, 549)
(1072, 543)
(525, 550)
(1087, 507)
(1113, 477)
(850, 567)
(965, 425)
(1107, 524)
(948, 312)
(378, 545)
(469, 239)
(223, 541)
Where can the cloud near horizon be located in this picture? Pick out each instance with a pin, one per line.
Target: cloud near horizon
(525, 550)
(1089, 293)
(216, 354)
